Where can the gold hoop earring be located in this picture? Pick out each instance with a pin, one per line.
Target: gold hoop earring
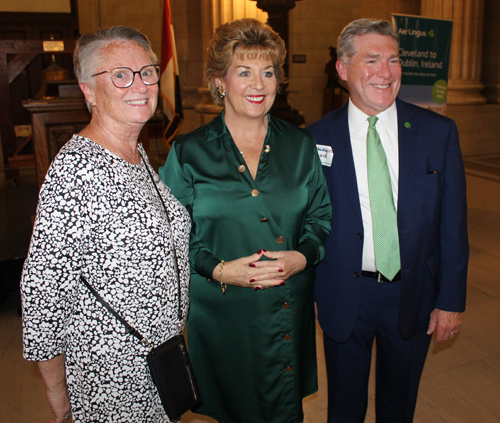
(221, 92)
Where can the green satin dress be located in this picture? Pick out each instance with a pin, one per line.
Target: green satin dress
(253, 352)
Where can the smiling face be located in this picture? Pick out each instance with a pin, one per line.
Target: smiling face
(250, 86)
(126, 106)
(373, 74)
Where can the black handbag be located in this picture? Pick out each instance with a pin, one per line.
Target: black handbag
(173, 376)
(169, 366)
(169, 362)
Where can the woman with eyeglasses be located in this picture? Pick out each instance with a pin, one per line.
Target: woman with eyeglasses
(101, 217)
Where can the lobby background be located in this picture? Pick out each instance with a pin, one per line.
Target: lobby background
(314, 26)
(461, 381)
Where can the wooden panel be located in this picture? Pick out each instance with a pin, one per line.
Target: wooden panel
(18, 63)
(21, 86)
(21, 63)
(50, 119)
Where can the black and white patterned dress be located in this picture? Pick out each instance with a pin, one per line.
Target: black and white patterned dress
(101, 217)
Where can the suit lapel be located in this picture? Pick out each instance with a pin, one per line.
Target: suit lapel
(408, 133)
(343, 159)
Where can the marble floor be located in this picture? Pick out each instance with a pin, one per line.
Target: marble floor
(461, 380)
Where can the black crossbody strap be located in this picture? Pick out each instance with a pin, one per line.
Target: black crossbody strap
(176, 268)
(128, 328)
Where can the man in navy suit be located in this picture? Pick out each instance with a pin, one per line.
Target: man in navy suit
(356, 302)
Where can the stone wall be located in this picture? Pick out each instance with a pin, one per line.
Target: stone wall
(314, 27)
(144, 15)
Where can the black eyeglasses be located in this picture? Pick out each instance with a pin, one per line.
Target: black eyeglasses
(123, 77)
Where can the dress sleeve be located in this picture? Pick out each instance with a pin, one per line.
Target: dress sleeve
(319, 213)
(181, 182)
(53, 265)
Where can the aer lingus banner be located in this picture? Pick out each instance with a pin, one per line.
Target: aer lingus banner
(424, 53)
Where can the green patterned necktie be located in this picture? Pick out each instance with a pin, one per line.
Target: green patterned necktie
(384, 215)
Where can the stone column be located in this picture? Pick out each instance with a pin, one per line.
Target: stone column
(229, 10)
(278, 20)
(464, 85)
(491, 51)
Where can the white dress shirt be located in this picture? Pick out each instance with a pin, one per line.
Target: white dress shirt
(387, 127)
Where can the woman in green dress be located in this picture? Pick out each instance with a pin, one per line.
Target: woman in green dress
(255, 190)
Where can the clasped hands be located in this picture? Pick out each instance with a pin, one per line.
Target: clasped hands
(252, 272)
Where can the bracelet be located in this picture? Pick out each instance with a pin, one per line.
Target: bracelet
(223, 286)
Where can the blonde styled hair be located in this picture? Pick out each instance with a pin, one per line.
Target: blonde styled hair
(247, 38)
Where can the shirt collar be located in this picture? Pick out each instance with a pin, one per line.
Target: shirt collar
(218, 128)
(358, 119)
(389, 117)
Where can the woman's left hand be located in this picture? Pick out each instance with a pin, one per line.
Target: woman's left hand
(290, 262)
(53, 372)
(59, 402)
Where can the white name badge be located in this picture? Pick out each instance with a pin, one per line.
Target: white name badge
(325, 153)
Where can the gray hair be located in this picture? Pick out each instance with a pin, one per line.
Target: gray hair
(345, 43)
(86, 57)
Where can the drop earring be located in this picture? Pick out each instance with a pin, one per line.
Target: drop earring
(221, 92)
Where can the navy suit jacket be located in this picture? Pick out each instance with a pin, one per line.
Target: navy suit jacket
(432, 222)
